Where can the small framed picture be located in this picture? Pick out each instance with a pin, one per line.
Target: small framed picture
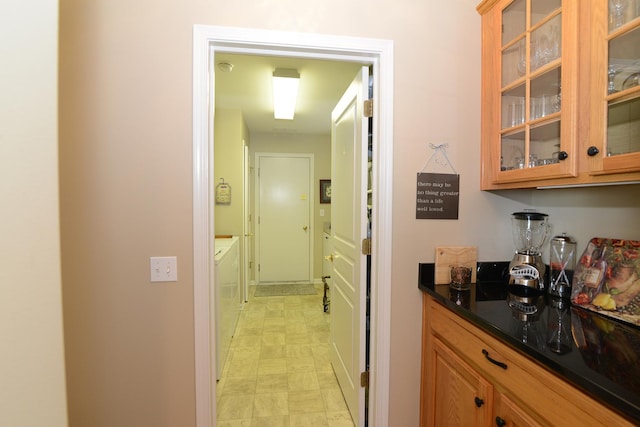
(325, 191)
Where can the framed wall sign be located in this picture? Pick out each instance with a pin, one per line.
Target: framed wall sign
(325, 191)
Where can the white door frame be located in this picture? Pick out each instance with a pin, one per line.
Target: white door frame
(257, 202)
(207, 40)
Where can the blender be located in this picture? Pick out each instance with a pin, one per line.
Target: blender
(530, 231)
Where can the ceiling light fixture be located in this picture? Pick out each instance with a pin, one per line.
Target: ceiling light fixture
(227, 67)
(285, 92)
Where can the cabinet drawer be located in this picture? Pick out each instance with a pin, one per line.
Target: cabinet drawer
(550, 400)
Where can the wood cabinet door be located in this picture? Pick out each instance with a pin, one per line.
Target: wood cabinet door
(509, 414)
(462, 397)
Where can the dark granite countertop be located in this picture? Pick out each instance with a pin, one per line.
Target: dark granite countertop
(599, 355)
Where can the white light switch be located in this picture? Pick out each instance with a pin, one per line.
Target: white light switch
(164, 269)
(321, 212)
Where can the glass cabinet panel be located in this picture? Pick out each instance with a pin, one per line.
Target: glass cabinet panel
(540, 9)
(621, 12)
(545, 98)
(513, 21)
(623, 128)
(531, 98)
(623, 78)
(513, 107)
(512, 150)
(546, 43)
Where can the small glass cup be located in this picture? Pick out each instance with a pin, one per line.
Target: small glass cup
(460, 277)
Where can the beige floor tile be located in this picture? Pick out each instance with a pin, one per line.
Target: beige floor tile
(278, 372)
(303, 381)
(327, 379)
(272, 366)
(274, 338)
(244, 341)
(244, 353)
(296, 314)
(269, 314)
(234, 423)
(305, 402)
(279, 421)
(299, 350)
(319, 337)
(242, 368)
(272, 383)
(333, 400)
(309, 420)
(339, 419)
(298, 338)
(295, 328)
(242, 331)
(239, 385)
(272, 351)
(276, 304)
(300, 364)
(271, 404)
(235, 407)
(273, 325)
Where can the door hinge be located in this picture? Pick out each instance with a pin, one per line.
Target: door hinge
(366, 246)
(367, 110)
(364, 379)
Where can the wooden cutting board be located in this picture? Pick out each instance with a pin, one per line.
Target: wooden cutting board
(447, 256)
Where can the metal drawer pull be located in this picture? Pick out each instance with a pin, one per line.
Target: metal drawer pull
(500, 422)
(479, 402)
(495, 362)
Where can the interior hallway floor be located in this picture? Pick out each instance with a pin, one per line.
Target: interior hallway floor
(278, 372)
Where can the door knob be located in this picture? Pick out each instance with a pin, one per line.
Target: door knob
(305, 228)
(329, 258)
(592, 151)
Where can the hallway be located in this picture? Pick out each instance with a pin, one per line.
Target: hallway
(278, 371)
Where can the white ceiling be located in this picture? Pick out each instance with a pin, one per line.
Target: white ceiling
(248, 88)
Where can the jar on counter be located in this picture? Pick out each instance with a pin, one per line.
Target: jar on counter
(562, 263)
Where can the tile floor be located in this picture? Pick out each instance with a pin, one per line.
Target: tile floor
(278, 371)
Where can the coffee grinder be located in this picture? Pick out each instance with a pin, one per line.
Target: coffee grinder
(530, 231)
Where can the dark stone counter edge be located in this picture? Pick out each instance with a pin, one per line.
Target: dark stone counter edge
(494, 272)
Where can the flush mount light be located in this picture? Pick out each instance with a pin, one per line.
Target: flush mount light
(227, 67)
(285, 92)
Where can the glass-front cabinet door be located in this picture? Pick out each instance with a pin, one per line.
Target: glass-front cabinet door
(531, 137)
(615, 111)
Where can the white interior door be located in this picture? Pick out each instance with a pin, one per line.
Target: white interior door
(284, 218)
(349, 134)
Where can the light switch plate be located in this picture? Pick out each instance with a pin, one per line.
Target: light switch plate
(164, 269)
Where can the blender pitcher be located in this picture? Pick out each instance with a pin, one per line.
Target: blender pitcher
(530, 231)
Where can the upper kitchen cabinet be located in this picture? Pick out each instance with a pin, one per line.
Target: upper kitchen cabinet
(615, 87)
(549, 115)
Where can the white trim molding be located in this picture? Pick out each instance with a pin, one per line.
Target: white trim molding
(207, 40)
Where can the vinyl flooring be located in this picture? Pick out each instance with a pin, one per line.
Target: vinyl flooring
(278, 372)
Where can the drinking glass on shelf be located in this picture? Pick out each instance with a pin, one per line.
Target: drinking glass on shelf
(617, 9)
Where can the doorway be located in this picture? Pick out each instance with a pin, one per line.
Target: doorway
(377, 53)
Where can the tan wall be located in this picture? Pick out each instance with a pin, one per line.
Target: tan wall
(32, 389)
(230, 134)
(320, 147)
(126, 186)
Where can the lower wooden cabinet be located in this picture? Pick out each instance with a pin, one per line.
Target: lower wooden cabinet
(470, 378)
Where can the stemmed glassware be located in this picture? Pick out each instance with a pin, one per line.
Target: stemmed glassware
(618, 8)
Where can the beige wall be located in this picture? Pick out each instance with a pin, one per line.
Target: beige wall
(32, 390)
(126, 186)
(320, 147)
(230, 136)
